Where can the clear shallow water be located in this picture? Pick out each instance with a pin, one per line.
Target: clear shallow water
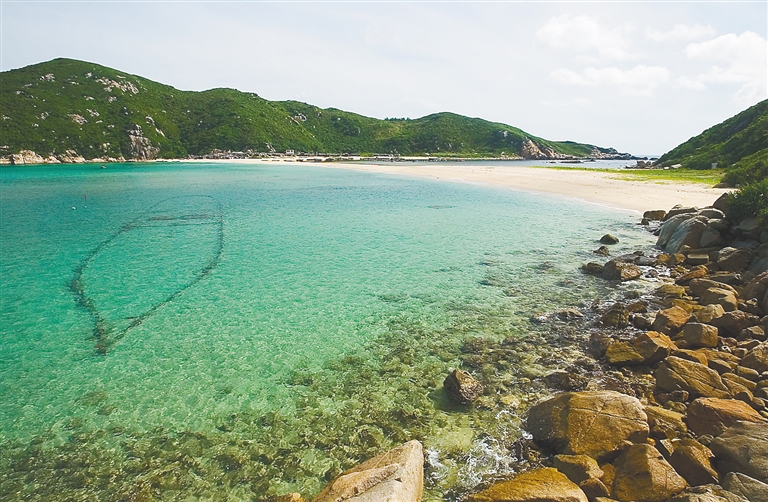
(267, 326)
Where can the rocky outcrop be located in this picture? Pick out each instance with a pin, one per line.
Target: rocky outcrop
(539, 485)
(462, 387)
(26, 157)
(396, 475)
(593, 423)
(141, 147)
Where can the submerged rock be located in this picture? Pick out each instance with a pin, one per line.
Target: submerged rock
(396, 475)
(609, 239)
(539, 485)
(462, 387)
(593, 423)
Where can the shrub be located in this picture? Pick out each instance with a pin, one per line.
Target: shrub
(751, 200)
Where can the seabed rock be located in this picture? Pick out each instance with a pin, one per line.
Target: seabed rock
(462, 387)
(539, 485)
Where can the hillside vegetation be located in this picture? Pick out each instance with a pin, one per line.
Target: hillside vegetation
(98, 112)
(740, 146)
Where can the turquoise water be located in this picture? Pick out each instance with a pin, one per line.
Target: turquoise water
(229, 332)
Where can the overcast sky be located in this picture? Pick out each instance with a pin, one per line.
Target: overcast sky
(640, 77)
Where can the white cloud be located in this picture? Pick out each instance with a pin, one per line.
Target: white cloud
(641, 80)
(584, 34)
(681, 32)
(735, 59)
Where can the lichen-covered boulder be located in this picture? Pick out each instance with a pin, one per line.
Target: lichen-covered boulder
(539, 485)
(462, 387)
(593, 423)
(642, 475)
(698, 380)
(693, 461)
(394, 476)
(743, 448)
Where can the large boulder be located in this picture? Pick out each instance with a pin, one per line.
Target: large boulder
(693, 461)
(670, 226)
(743, 448)
(642, 475)
(757, 358)
(462, 387)
(719, 296)
(669, 321)
(647, 348)
(593, 423)
(617, 270)
(698, 380)
(731, 323)
(714, 416)
(539, 485)
(749, 488)
(394, 476)
(699, 335)
(688, 233)
(733, 259)
(699, 285)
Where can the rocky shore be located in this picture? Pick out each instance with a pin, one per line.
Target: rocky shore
(673, 406)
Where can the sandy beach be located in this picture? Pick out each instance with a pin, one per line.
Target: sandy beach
(595, 187)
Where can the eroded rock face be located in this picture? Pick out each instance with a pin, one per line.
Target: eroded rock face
(642, 475)
(26, 157)
(743, 448)
(593, 423)
(698, 380)
(462, 387)
(539, 485)
(141, 147)
(394, 476)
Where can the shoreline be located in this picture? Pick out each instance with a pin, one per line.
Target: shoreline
(594, 187)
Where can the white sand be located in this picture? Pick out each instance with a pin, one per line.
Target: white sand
(591, 186)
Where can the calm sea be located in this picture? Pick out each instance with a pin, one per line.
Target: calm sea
(228, 332)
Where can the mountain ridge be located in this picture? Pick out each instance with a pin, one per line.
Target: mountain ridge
(66, 110)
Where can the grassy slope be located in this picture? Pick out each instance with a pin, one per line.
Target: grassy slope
(730, 143)
(38, 115)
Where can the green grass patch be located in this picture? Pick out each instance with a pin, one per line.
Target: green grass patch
(709, 177)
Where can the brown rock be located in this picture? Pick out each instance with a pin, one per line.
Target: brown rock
(655, 214)
(692, 460)
(722, 297)
(642, 475)
(623, 354)
(462, 387)
(395, 475)
(694, 273)
(743, 448)
(593, 423)
(667, 290)
(609, 239)
(734, 259)
(707, 313)
(757, 358)
(594, 488)
(592, 268)
(669, 321)
(744, 382)
(699, 286)
(578, 468)
(714, 416)
(620, 271)
(731, 323)
(617, 316)
(539, 485)
(665, 424)
(756, 288)
(700, 335)
(675, 373)
(752, 333)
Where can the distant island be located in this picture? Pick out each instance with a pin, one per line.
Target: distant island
(66, 110)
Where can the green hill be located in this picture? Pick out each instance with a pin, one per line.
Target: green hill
(98, 112)
(739, 145)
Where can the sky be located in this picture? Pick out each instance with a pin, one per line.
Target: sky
(641, 77)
